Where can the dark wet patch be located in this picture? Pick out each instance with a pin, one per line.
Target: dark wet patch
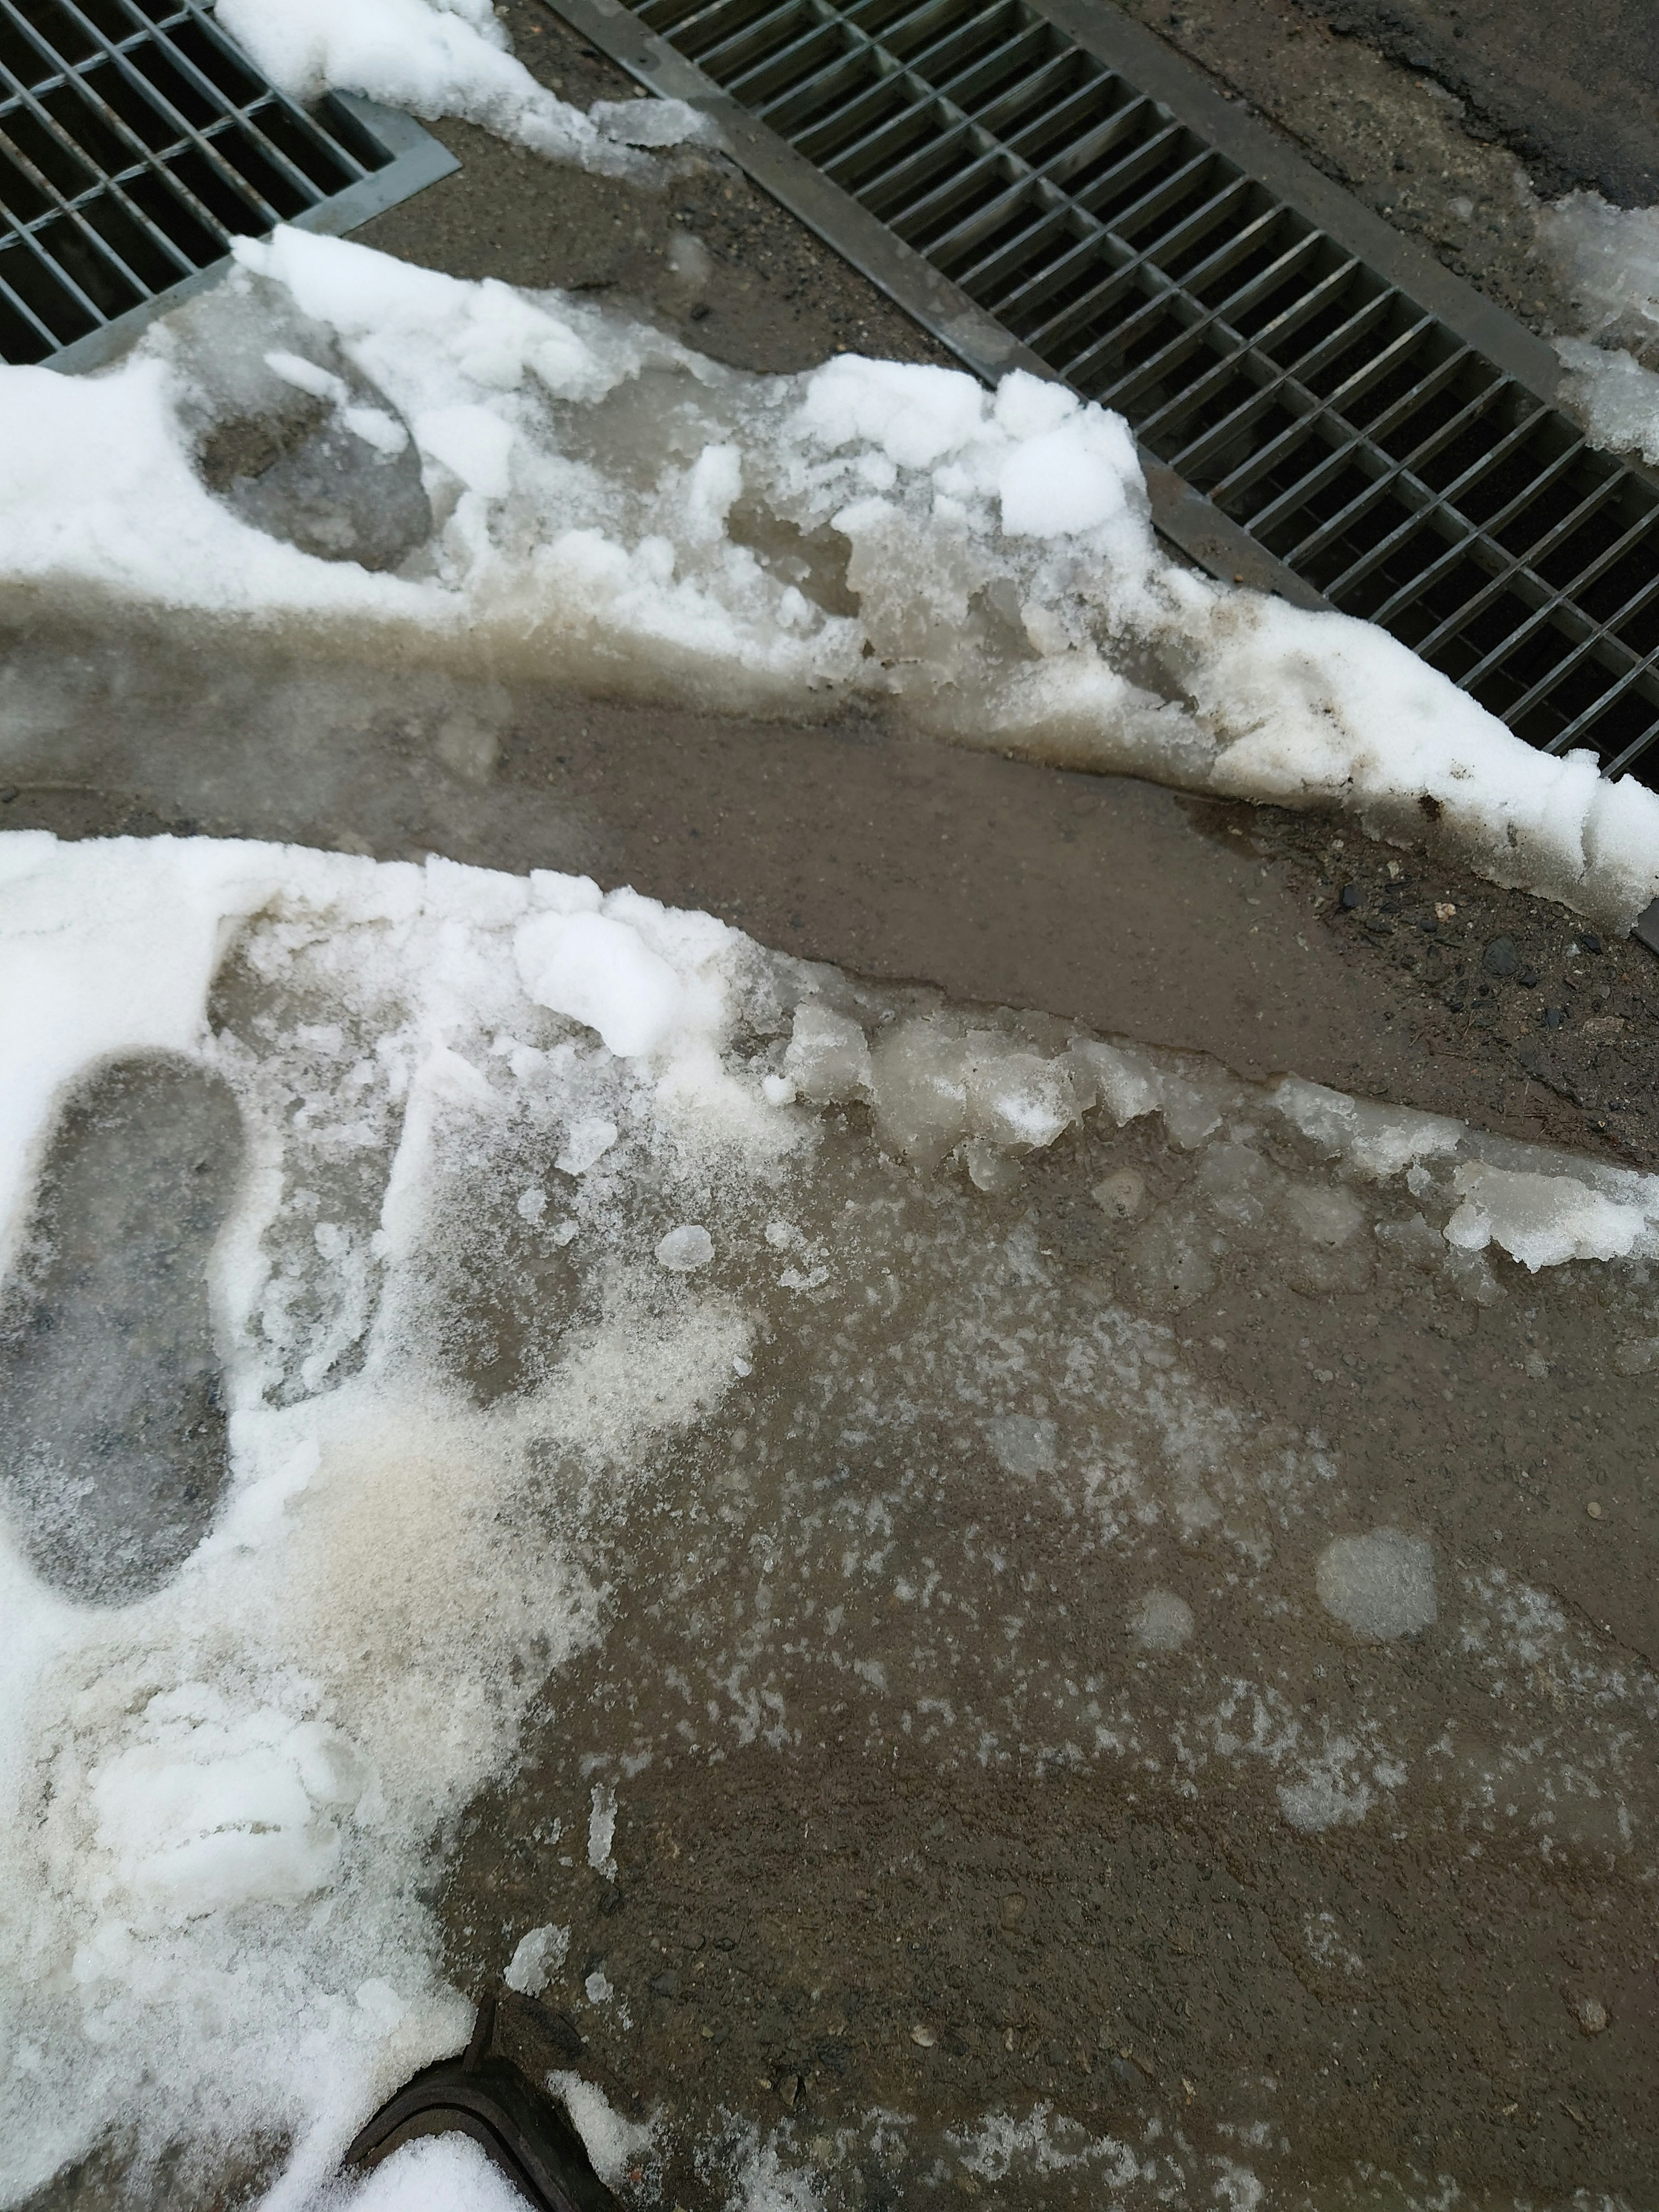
(111, 1418)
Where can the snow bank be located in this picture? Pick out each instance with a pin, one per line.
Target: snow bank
(583, 497)
(219, 1798)
(436, 57)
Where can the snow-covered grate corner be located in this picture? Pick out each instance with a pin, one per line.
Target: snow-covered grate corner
(1323, 408)
(136, 140)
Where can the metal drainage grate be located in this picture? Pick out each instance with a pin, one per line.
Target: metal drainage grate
(1324, 410)
(136, 141)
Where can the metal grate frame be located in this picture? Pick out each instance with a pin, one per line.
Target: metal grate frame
(1323, 408)
(136, 140)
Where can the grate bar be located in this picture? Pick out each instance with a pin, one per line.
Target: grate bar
(135, 146)
(115, 183)
(1322, 409)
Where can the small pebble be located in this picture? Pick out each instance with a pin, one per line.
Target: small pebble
(1594, 1510)
(1443, 909)
(1592, 2014)
(1500, 957)
(1351, 897)
(924, 2036)
(1590, 941)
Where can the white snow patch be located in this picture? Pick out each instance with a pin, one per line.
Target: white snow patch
(585, 472)
(618, 2146)
(600, 971)
(436, 57)
(440, 2173)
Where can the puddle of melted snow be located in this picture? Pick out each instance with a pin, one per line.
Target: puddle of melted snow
(810, 1378)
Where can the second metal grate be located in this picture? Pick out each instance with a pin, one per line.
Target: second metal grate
(1381, 458)
(136, 141)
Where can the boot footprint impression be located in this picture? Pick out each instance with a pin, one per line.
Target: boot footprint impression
(112, 1417)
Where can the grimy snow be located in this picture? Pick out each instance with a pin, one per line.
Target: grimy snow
(238, 1728)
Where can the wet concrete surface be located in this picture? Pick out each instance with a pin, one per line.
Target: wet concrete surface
(706, 255)
(809, 1930)
(917, 1881)
(1274, 941)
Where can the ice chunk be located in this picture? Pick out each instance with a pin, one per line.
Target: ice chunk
(1616, 395)
(1126, 1084)
(1543, 1219)
(827, 1058)
(538, 1958)
(432, 60)
(1072, 480)
(685, 1249)
(1018, 1098)
(602, 1830)
(919, 1074)
(912, 413)
(587, 1143)
(600, 971)
(653, 122)
(473, 443)
(1380, 1585)
(1378, 1140)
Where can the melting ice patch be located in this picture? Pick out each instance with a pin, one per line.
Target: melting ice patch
(551, 485)
(224, 1800)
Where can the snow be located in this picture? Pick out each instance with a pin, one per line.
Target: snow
(601, 972)
(614, 2144)
(583, 479)
(218, 1795)
(439, 2173)
(437, 58)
